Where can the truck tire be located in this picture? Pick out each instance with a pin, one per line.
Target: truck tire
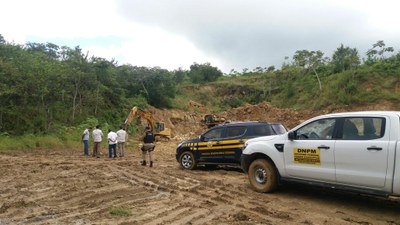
(187, 161)
(263, 176)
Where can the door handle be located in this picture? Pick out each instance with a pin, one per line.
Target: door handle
(374, 148)
(323, 147)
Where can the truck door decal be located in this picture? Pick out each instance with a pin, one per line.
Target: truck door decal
(307, 156)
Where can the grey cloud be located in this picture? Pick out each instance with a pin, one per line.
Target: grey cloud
(247, 34)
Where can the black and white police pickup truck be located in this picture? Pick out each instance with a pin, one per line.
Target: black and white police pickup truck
(355, 151)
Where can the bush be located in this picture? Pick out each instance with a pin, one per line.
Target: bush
(120, 212)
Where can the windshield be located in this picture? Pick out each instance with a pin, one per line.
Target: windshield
(278, 128)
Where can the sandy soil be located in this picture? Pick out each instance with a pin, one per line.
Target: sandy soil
(65, 187)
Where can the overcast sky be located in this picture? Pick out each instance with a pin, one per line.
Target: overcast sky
(229, 34)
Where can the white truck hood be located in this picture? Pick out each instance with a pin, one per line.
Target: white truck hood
(267, 138)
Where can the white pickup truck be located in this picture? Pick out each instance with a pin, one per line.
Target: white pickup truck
(355, 151)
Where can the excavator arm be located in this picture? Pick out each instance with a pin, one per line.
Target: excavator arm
(132, 115)
(158, 128)
(150, 120)
(136, 112)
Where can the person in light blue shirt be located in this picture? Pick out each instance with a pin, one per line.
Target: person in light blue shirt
(85, 140)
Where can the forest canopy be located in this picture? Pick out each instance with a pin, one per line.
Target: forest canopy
(45, 87)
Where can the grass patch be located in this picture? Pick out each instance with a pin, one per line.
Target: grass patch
(30, 141)
(118, 211)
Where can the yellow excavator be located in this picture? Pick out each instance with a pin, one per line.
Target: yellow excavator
(158, 128)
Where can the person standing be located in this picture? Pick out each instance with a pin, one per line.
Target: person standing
(148, 146)
(122, 138)
(85, 140)
(112, 143)
(97, 138)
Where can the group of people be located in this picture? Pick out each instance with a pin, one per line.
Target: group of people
(117, 140)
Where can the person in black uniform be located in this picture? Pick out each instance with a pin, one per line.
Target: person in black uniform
(148, 146)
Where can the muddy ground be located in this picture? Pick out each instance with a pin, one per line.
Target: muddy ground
(61, 186)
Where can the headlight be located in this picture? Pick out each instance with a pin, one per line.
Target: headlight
(179, 145)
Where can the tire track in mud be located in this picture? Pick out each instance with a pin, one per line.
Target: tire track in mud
(202, 196)
(197, 198)
(58, 196)
(170, 210)
(179, 208)
(80, 190)
(167, 190)
(98, 197)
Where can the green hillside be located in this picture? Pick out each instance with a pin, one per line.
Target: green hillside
(360, 86)
(49, 90)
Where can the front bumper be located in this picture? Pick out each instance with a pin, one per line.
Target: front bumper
(245, 161)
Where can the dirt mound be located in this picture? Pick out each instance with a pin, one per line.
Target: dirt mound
(267, 112)
(184, 125)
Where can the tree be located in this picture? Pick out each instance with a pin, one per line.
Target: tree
(179, 75)
(2, 40)
(79, 81)
(378, 50)
(258, 69)
(161, 87)
(345, 58)
(156, 85)
(310, 60)
(271, 69)
(201, 73)
(48, 49)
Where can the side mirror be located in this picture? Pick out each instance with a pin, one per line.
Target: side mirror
(292, 135)
(201, 137)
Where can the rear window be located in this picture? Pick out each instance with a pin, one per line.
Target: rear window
(278, 128)
(363, 128)
(236, 131)
(263, 130)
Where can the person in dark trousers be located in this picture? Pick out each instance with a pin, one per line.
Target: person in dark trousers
(85, 140)
(148, 146)
(112, 143)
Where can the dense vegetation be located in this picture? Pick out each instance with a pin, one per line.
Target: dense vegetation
(47, 89)
(44, 87)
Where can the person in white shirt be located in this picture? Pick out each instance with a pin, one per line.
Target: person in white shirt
(97, 137)
(112, 143)
(122, 138)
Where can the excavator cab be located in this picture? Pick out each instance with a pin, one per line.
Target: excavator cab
(161, 131)
(211, 120)
(158, 127)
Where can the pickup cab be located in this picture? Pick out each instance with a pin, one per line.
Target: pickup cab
(222, 144)
(354, 151)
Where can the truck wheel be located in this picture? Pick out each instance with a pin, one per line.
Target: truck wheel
(263, 176)
(186, 160)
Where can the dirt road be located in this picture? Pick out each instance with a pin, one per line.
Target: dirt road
(64, 187)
